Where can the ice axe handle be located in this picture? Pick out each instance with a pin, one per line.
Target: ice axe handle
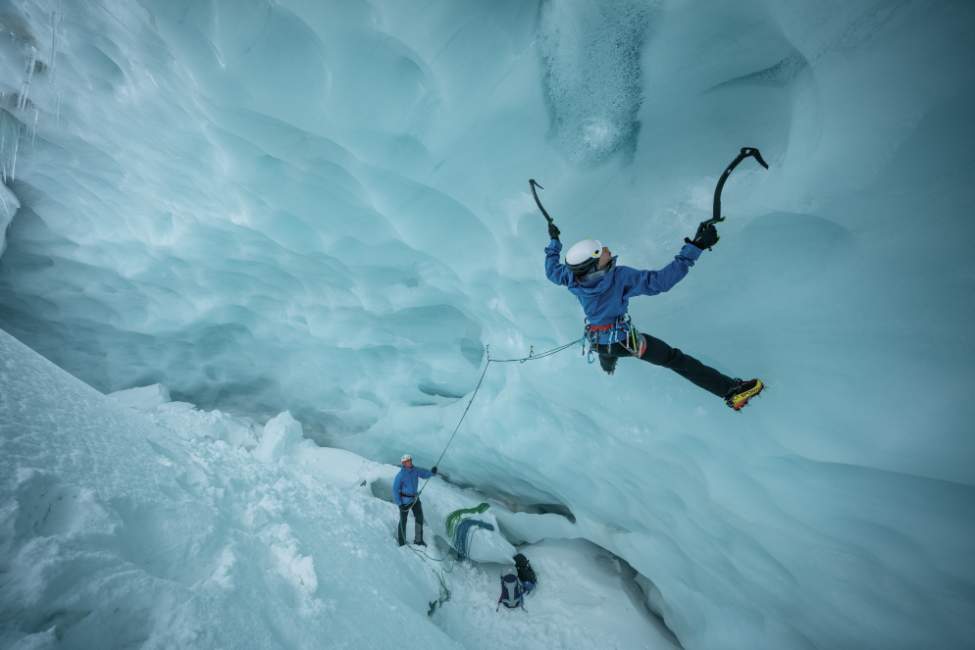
(744, 153)
(533, 184)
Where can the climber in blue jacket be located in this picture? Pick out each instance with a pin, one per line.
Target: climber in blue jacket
(604, 289)
(406, 497)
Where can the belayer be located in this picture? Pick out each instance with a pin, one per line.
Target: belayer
(604, 289)
(405, 496)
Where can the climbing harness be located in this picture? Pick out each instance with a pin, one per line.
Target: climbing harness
(621, 331)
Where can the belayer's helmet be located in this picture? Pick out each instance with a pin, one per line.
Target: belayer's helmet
(584, 256)
(406, 457)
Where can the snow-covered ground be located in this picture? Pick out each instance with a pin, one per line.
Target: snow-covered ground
(130, 521)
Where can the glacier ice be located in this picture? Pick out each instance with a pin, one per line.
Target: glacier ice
(322, 208)
(126, 522)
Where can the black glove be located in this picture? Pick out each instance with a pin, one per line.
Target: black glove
(553, 230)
(433, 470)
(705, 237)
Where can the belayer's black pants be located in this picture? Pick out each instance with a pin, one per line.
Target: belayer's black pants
(661, 354)
(404, 513)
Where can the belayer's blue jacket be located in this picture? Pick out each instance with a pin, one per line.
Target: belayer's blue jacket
(605, 295)
(404, 485)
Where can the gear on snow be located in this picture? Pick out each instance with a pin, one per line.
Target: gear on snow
(525, 572)
(512, 591)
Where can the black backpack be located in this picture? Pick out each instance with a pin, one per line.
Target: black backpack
(525, 571)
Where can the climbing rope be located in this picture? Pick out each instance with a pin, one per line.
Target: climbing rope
(531, 357)
(430, 557)
(440, 575)
(462, 415)
(443, 597)
(449, 566)
(541, 355)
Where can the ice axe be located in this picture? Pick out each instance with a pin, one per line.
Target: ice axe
(553, 230)
(533, 183)
(744, 153)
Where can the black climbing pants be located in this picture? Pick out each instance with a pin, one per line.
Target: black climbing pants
(404, 513)
(661, 354)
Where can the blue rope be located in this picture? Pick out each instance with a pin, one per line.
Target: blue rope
(464, 532)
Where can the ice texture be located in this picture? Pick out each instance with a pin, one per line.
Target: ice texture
(322, 208)
(127, 524)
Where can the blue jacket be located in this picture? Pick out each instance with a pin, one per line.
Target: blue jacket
(605, 295)
(404, 485)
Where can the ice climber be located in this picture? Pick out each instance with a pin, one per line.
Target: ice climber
(405, 496)
(590, 272)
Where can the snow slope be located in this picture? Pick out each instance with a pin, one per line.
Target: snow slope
(122, 528)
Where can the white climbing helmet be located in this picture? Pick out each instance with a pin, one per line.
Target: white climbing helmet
(584, 255)
(406, 457)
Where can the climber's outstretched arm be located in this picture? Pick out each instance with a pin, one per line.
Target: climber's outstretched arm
(650, 283)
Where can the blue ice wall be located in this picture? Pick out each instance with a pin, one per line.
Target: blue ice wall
(323, 207)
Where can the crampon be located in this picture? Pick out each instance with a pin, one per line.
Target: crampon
(740, 395)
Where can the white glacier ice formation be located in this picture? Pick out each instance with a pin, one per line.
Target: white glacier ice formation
(322, 209)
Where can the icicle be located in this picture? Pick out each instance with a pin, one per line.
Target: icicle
(56, 18)
(13, 160)
(4, 169)
(4, 206)
(25, 89)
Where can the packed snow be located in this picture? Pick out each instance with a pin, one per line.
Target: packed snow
(130, 521)
(292, 233)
